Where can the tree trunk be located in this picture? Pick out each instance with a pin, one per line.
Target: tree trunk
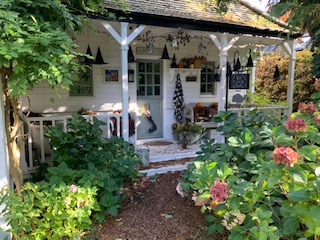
(14, 135)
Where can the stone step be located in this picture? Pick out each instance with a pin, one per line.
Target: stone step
(166, 166)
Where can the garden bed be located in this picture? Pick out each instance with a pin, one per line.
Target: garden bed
(154, 210)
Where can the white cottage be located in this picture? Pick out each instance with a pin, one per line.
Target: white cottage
(141, 52)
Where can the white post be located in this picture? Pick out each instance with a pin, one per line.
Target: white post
(124, 70)
(223, 55)
(253, 81)
(4, 170)
(124, 40)
(289, 48)
(223, 45)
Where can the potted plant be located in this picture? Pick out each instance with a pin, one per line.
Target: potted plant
(187, 133)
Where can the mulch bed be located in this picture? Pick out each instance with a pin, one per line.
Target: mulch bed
(154, 210)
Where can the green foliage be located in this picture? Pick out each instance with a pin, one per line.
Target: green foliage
(268, 197)
(88, 175)
(44, 211)
(83, 156)
(303, 14)
(269, 90)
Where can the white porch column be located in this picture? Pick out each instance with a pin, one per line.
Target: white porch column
(4, 169)
(289, 48)
(253, 81)
(124, 40)
(223, 45)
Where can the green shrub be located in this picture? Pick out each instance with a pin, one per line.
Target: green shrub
(274, 91)
(44, 211)
(273, 186)
(83, 156)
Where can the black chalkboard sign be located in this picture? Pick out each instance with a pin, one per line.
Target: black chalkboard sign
(239, 81)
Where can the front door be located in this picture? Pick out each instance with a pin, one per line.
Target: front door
(150, 97)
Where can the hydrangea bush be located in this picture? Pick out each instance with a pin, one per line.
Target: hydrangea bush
(264, 181)
(86, 181)
(44, 211)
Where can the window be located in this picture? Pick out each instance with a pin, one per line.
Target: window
(149, 79)
(82, 83)
(208, 85)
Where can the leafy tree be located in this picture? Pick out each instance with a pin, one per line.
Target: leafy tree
(34, 47)
(304, 14)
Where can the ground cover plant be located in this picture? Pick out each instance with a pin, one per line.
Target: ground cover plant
(264, 181)
(85, 182)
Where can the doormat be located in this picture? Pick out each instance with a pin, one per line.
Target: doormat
(158, 143)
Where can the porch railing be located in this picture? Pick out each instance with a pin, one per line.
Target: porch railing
(276, 112)
(36, 145)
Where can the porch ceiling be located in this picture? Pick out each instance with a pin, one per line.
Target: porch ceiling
(241, 17)
(159, 33)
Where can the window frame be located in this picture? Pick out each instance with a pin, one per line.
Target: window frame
(205, 73)
(84, 76)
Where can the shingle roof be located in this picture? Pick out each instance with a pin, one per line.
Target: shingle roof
(240, 15)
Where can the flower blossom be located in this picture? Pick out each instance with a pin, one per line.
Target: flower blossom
(73, 188)
(232, 219)
(219, 191)
(307, 107)
(317, 118)
(296, 125)
(285, 155)
(198, 202)
(180, 190)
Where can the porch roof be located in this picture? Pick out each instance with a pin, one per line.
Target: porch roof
(241, 17)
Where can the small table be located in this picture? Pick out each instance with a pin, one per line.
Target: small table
(209, 126)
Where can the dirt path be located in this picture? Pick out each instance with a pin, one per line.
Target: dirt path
(155, 211)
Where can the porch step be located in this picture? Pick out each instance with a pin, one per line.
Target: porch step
(171, 165)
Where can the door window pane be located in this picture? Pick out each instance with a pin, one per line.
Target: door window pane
(149, 91)
(149, 67)
(141, 91)
(157, 79)
(157, 90)
(157, 67)
(149, 79)
(142, 67)
(142, 79)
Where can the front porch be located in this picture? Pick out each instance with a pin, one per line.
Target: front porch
(37, 148)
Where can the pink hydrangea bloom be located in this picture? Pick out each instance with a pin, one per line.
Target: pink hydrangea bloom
(307, 107)
(317, 118)
(73, 188)
(296, 125)
(219, 191)
(285, 155)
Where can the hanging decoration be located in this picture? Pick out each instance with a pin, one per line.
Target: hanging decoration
(146, 112)
(165, 54)
(250, 62)
(99, 58)
(236, 63)
(174, 62)
(178, 101)
(131, 58)
(150, 45)
(276, 74)
(86, 59)
(201, 48)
